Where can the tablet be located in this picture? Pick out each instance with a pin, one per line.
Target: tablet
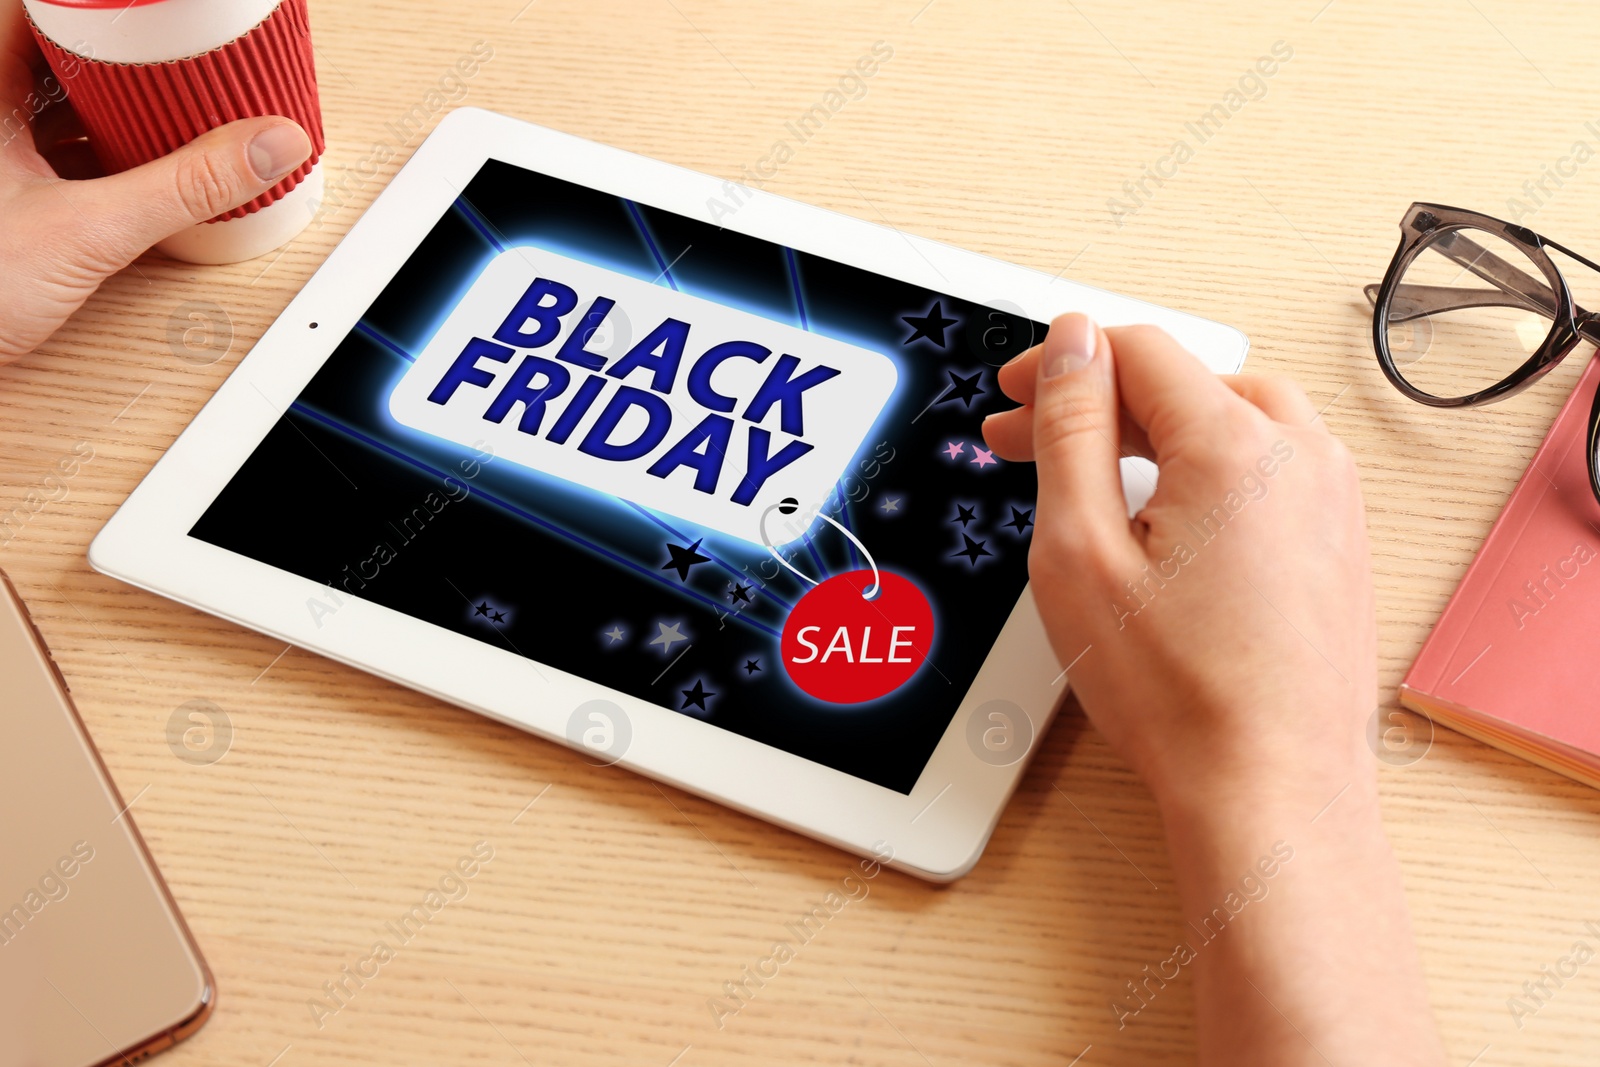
(677, 472)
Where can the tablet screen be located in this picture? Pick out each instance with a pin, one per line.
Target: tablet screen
(729, 478)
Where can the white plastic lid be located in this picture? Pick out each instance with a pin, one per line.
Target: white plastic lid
(145, 31)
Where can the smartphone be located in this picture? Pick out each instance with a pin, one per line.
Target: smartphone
(96, 964)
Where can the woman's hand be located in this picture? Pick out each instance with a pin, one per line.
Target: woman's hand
(59, 239)
(1223, 639)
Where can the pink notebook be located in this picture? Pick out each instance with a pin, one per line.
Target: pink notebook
(1515, 659)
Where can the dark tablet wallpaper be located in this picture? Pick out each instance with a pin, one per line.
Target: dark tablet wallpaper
(588, 468)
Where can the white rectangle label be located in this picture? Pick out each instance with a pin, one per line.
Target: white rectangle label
(671, 401)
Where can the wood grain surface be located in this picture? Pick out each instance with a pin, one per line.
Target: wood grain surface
(613, 910)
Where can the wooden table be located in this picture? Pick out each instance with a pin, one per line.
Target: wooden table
(614, 909)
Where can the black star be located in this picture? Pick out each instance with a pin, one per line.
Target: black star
(696, 696)
(962, 389)
(684, 558)
(965, 515)
(1021, 520)
(932, 325)
(738, 593)
(482, 609)
(751, 666)
(499, 616)
(973, 550)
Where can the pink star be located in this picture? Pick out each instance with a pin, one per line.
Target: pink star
(983, 457)
(954, 449)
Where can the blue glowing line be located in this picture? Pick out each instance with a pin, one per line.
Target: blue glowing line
(794, 281)
(647, 513)
(543, 523)
(385, 342)
(644, 231)
(844, 520)
(479, 223)
(823, 567)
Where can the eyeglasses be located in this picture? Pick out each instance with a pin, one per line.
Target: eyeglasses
(1465, 297)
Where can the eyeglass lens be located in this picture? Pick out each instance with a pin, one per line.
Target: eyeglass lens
(1467, 311)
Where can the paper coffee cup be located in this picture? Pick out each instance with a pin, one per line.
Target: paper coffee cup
(146, 76)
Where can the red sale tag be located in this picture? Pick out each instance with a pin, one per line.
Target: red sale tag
(844, 648)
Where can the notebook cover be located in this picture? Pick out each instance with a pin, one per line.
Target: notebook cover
(1517, 649)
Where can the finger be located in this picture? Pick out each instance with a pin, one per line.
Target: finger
(1075, 439)
(1132, 437)
(1010, 435)
(1014, 432)
(1280, 398)
(216, 172)
(1019, 377)
(1166, 389)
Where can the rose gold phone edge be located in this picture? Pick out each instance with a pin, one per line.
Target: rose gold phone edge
(186, 1025)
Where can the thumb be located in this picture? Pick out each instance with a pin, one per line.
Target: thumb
(216, 172)
(1075, 438)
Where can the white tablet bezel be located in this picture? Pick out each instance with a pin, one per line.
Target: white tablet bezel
(937, 831)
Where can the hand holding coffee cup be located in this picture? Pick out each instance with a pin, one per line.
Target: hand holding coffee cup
(148, 76)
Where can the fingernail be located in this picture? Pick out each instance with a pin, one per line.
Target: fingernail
(277, 150)
(1071, 351)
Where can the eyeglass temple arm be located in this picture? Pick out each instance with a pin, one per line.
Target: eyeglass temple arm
(1517, 287)
(1534, 293)
(1415, 301)
(1467, 253)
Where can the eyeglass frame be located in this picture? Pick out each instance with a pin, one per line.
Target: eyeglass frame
(1426, 225)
